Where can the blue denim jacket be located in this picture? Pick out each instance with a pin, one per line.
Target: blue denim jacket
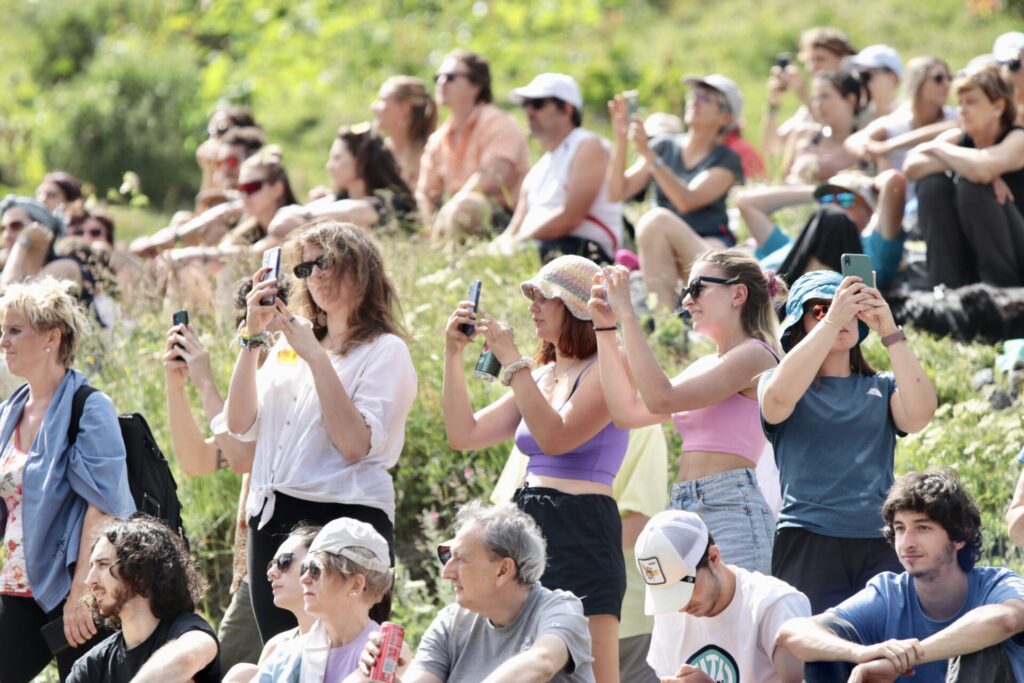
(59, 482)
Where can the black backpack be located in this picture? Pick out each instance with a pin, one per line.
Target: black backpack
(149, 474)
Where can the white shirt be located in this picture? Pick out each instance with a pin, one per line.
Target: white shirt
(294, 452)
(902, 121)
(736, 645)
(547, 184)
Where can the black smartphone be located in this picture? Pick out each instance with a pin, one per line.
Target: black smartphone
(180, 318)
(783, 59)
(271, 260)
(53, 634)
(474, 296)
(859, 265)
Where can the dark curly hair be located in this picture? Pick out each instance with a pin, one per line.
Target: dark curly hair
(153, 562)
(941, 496)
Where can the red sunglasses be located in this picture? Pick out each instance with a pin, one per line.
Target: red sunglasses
(251, 187)
(819, 311)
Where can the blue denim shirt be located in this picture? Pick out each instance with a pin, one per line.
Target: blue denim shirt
(60, 483)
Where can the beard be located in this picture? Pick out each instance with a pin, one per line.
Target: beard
(109, 612)
(946, 557)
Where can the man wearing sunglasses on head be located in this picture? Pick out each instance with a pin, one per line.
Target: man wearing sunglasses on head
(504, 626)
(856, 214)
(473, 164)
(564, 201)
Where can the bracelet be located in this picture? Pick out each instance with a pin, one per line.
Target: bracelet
(612, 328)
(513, 368)
(248, 341)
(893, 338)
(835, 325)
(658, 162)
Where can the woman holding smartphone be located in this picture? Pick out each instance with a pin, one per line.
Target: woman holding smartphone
(713, 402)
(558, 418)
(833, 420)
(327, 409)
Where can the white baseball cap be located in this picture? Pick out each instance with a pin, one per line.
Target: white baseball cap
(1008, 46)
(724, 85)
(346, 537)
(667, 553)
(549, 84)
(879, 57)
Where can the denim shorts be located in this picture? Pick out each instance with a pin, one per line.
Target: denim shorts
(736, 514)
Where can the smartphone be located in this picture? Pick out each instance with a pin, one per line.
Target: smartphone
(180, 318)
(271, 260)
(474, 296)
(631, 97)
(783, 59)
(859, 265)
(53, 634)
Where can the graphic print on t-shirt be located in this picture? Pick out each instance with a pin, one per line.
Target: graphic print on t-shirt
(716, 663)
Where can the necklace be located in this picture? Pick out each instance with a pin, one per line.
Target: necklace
(566, 372)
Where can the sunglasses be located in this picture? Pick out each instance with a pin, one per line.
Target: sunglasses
(444, 553)
(696, 285)
(312, 568)
(818, 311)
(305, 269)
(14, 226)
(230, 162)
(708, 97)
(448, 76)
(536, 102)
(843, 199)
(251, 187)
(91, 232)
(1013, 65)
(283, 562)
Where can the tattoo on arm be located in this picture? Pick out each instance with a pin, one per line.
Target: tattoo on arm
(221, 460)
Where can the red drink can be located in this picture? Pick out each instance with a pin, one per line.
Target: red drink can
(386, 666)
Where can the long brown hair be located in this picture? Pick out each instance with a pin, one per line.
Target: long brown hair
(423, 121)
(353, 255)
(576, 340)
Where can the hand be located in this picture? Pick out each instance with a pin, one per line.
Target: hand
(876, 148)
(796, 82)
(37, 235)
(454, 339)
(878, 671)
(175, 367)
(638, 136)
(183, 345)
(616, 282)
(78, 623)
(688, 674)
(618, 113)
(257, 315)
(298, 332)
(319, 192)
(778, 84)
(897, 655)
(369, 656)
(601, 311)
(499, 339)
(849, 300)
(1002, 190)
(876, 313)
(206, 154)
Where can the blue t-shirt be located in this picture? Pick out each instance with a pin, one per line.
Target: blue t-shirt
(888, 608)
(835, 455)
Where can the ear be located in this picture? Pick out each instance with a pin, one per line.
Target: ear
(506, 571)
(714, 556)
(739, 296)
(53, 339)
(358, 583)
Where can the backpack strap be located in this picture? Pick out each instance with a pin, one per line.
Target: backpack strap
(77, 408)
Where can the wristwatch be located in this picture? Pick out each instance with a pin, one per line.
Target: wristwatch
(896, 336)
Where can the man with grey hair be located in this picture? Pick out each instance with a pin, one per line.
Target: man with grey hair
(504, 626)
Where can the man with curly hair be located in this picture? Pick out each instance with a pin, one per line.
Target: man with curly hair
(144, 583)
(943, 619)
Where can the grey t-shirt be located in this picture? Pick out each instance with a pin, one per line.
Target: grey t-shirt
(463, 647)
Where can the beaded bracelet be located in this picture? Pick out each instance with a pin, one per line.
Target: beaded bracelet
(249, 341)
(513, 368)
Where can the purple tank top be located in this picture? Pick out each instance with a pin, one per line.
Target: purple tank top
(597, 459)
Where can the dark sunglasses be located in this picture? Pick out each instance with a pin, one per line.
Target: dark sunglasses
(447, 76)
(444, 553)
(843, 199)
(696, 285)
(305, 269)
(819, 311)
(14, 226)
(91, 232)
(251, 187)
(1013, 65)
(283, 562)
(312, 568)
(536, 102)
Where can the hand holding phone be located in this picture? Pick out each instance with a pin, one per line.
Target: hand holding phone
(180, 318)
(474, 296)
(632, 99)
(860, 266)
(271, 260)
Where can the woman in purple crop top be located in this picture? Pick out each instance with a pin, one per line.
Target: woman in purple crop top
(559, 419)
(713, 401)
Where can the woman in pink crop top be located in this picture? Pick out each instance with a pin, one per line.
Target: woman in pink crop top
(713, 401)
(559, 418)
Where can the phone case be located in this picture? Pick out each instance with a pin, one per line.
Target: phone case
(272, 260)
(859, 265)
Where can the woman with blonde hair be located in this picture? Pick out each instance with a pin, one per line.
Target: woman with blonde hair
(327, 409)
(406, 112)
(713, 402)
(54, 494)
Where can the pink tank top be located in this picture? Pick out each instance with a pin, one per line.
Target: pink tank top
(730, 426)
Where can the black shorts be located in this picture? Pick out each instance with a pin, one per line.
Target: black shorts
(577, 246)
(828, 569)
(584, 540)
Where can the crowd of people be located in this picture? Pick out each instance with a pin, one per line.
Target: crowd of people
(786, 549)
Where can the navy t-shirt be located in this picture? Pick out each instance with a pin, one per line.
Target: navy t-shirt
(710, 220)
(835, 455)
(110, 662)
(888, 607)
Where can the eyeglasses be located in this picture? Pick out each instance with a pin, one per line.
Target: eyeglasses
(14, 226)
(218, 130)
(536, 103)
(697, 285)
(444, 553)
(1013, 65)
(283, 562)
(942, 78)
(446, 76)
(312, 568)
(233, 161)
(819, 311)
(305, 269)
(251, 187)
(91, 232)
(708, 97)
(843, 199)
